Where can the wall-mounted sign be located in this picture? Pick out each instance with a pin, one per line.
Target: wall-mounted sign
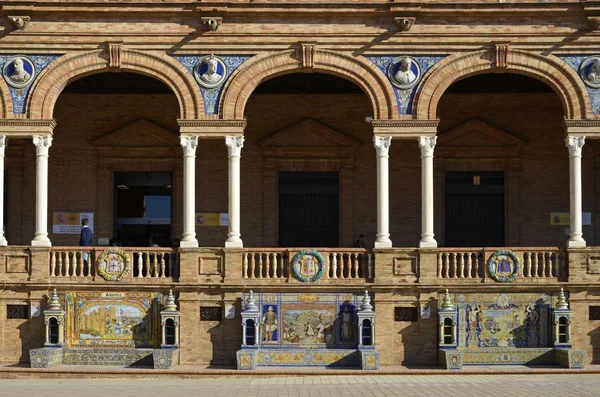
(563, 218)
(65, 222)
(212, 219)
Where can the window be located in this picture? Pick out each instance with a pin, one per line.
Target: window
(405, 314)
(211, 314)
(17, 312)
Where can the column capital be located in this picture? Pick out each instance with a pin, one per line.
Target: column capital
(189, 144)
(42, 144)
(3, 142)
(382, 145)
(575, 144)
(427, 144)
(234, 145)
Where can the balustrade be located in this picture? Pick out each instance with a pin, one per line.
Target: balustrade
(275, 264)
(144, 263)
(471, 263)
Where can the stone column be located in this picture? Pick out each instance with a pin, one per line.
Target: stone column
(382, 146)
(188, 239)
(3, 141)
(427, 144)
(575, 146)
(42, 146)
(234, 147)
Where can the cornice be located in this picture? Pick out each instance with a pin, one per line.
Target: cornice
(26, 127)
(588, 128)
(405, 128)
(212, 128)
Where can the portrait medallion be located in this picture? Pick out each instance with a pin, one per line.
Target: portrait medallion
(19, 71)
(210, 72)
(404, 72)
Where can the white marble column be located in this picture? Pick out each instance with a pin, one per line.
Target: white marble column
(427, 145)
(234, 147)
(42, 146)
(188, 238)
(3, 141)
(575, 145)
(382, 146)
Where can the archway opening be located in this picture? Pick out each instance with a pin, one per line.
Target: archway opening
(307, 152)
(114, 159)
(501, 164)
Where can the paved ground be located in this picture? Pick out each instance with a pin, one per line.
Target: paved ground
(529, 385)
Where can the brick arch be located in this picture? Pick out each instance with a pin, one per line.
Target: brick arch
(358, 70)
(549, 69)
(70, 67)
(6, 107)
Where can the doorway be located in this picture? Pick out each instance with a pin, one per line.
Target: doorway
(474, 209)
(308, 209)
(143, 208)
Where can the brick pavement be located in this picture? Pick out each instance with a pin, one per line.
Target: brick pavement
(548, 385)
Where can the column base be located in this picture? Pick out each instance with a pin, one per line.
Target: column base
(234, 244)
(3, 242)
(189, 243)
(576, 243)
(383, 244)
(41, 241)
(427, 244)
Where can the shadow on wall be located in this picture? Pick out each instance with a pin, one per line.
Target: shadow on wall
(226, 338)
(595, 341)
(32, 334)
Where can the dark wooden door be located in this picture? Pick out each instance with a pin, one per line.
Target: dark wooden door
(474, 209)
(308, 209)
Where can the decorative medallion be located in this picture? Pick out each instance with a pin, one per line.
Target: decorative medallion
(404, 72)
(210, 72)
(589, 70)
(503, 266)
(19, 71)
(308, 266)
(113, 265)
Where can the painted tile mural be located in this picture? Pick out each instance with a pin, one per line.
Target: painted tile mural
(295, 320)
(503, 320)
(112, 319)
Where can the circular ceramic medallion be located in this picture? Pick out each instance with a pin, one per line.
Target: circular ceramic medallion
(404, 72)
(113, 265)
(210, 72)
(308, 266)
(503, 266)
(589, 70)
(19, 71)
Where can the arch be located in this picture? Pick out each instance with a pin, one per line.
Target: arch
(6, 107)
(551, 70)
(261, 68)
(70, 67)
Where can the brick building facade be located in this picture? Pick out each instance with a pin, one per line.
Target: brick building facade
(122, 90)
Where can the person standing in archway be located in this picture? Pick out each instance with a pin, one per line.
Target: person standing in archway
(85, 240)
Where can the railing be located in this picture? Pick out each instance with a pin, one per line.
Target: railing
(275, 263)
(145, 263)
(471, 263)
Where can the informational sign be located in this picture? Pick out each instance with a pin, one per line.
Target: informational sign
(564, 218)
(65, 222)
(212, 219)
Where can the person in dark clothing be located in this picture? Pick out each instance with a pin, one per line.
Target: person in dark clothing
(85, 240)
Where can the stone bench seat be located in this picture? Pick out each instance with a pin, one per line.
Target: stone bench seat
(124, 357)
(265, 357)
(565, 357)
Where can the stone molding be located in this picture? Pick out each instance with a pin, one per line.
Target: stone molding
(26, 128)
(50, 83)
(262, 67)
(212, 128)
(589, 128)
(549, 69)
(405, 129)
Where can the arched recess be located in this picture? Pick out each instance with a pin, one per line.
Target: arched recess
(549, 69)
(6, 109)
(68, 68)
(261, 68)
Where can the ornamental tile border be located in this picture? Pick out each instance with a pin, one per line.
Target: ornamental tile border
(19, 95)
(575, 61)
(211, 96)
(404, 98)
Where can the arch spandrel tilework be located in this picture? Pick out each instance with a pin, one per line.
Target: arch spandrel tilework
(70, 67)
(262, 68)
(547, 68)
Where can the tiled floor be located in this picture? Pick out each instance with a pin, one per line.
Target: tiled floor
(547, 385)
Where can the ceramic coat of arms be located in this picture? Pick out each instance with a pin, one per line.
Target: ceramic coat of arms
(308, 266)
(113, 265)
(503, 266)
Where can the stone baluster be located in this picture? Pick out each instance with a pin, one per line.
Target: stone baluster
(370, 265)
(163, 265)
(551, 271)
(68, 264)
(529, 263)
(440, 264)
(334, 265)
(461, 265)
(354, 258)
(543, 254)
(535, 264)
(261, 266)
(245, 265)
(446, 265)
(52, 264)
(155, 265)
(327, 265)
(140, 264)
(469, 265)
(252, 263)
(455, 265)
